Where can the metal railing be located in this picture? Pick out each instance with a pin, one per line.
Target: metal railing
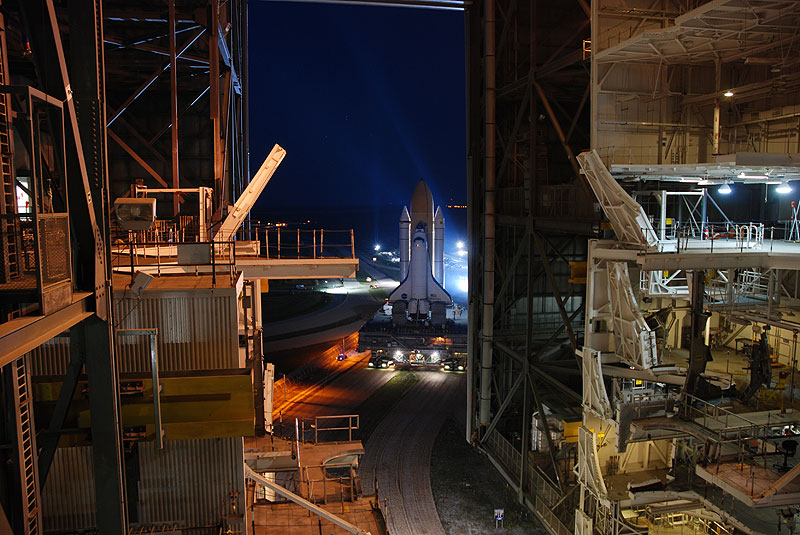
(285, 243)
(542, 495)
(351, 425)
(323, 486)
(164, 257)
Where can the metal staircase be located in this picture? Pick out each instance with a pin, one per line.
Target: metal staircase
(26, 442)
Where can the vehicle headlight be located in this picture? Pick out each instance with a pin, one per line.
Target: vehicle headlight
(391, 363)
(371, 364)
(384, 364)
(461, 367)
(446, 366)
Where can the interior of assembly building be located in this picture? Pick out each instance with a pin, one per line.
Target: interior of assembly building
(633, 184)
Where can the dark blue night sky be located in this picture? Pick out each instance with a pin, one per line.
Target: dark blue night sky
(365, 100)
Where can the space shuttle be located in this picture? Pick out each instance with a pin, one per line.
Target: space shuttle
(421, 298)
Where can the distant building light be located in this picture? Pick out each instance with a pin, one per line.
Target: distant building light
(728, 93)
(457, 206)
(377, 247)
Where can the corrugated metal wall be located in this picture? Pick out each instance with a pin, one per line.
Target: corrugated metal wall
(189, 482)
(68, 495)
(192, 483)
(195, 332)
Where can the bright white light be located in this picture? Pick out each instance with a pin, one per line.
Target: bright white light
(398, 355)
(462, 252)
(728, 93)
(371, 364)
(784, 188)
(725, 189)
(435, 356)
(463, 284)
(742, 175)
(460, 245)
(377, 246)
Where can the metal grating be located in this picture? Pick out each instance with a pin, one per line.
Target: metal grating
(54, 248)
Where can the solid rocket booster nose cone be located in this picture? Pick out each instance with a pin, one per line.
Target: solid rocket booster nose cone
(404, 215)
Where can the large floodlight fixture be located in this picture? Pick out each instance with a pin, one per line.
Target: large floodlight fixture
(728, 93)
(725, 188)
(135, 213)
(784, 188)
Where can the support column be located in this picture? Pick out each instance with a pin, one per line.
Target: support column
(173, 106)
(698, 350)
(487, 330)
(717, 76)
(214, 107)
(109, 479)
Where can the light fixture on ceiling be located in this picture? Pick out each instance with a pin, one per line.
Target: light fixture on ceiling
(784, 188)
(725, 188)
(756, 177)
(728, 93)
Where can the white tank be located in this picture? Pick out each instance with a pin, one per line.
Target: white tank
(438, 246)
(405, 242)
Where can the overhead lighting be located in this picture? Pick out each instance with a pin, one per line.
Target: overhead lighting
(377, 247)
(725, 188)
(757, 177)
(784, 188)
(728, 93)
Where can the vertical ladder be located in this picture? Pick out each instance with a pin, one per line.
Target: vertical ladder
(26, 446)
(9, 240)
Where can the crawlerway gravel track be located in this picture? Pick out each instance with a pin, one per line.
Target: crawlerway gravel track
(399, 453)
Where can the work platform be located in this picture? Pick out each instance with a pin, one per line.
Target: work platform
(323, 474)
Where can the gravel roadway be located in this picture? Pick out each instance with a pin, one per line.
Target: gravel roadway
(399, 453)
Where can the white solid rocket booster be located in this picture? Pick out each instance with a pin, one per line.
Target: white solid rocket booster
(438, 245)
(405, 242)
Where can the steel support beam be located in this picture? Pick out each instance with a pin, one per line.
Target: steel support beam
(563, 138)
(133, 154)
(487, 331)
(557, 294)
(21, 335)
(173, 107)
(302, 502)
(139, 91)
(107, 459)
(214, 102)
(85, 198)
(49, 441)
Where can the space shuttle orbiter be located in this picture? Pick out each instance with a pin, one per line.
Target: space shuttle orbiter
(421, 296)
